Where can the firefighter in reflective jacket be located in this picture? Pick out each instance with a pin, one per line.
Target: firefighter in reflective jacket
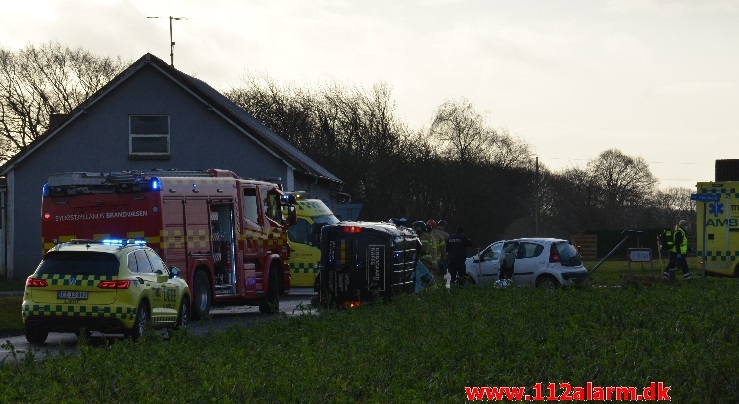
(438, 252)
(426, 243)
(440, 231)
(677, 253)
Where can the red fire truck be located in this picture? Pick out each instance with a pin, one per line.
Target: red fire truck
(227, 235)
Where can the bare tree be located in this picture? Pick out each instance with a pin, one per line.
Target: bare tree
(37, 82)
(352, 131)
(624, 180)
(506, 151)
(670, 205)
(463, 135)
(460, 130)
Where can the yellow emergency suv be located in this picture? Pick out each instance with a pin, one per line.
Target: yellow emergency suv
(717, 234)
(304, 238)
(109, 286)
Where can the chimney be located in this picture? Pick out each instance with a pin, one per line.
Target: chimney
(56, 119)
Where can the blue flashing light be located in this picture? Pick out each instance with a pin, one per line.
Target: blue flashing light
(113, 241)
(45, 191)
(155, 184)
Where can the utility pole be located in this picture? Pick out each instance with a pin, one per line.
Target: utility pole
(536, 200)
(171, 41)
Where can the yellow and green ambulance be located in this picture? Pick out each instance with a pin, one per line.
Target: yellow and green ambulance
(304, 239)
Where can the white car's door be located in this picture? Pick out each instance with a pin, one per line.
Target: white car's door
(485, 265)
(530, 262)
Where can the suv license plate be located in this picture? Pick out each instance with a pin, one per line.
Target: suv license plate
(69, 295)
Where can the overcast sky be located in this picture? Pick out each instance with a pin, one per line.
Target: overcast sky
(656, 79)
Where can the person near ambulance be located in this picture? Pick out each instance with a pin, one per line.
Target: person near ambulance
(456, 247)
(678, 251)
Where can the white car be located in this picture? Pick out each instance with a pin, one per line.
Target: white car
(546, 262)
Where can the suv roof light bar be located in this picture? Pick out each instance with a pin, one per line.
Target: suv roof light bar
(121, 242)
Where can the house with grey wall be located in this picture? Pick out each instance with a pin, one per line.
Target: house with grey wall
(151, 116)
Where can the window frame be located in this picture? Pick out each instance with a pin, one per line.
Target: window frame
(148, 154)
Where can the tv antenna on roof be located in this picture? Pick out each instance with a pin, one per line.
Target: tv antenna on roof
(171, 41)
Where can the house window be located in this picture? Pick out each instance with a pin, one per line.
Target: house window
(149, 137)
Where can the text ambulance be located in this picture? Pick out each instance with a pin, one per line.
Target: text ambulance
(717, 233)
(305, 253)
(227, 235)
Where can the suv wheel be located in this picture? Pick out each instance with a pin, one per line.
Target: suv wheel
(139, 325)
(183, 317)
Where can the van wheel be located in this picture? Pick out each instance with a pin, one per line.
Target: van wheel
(201, 295)
(272, 305)
(547, 282)
(35, 335)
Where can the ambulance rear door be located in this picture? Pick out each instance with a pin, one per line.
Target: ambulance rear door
(718, 227)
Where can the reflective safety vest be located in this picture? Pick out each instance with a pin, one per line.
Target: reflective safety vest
(427, 242)
(441, 237)
(435, 244)
(683, 247)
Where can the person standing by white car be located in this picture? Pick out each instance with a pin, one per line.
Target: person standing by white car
(456, 248)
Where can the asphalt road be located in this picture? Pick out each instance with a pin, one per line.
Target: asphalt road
(296, 304)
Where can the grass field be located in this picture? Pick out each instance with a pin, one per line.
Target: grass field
(609, 273)
(429, 350)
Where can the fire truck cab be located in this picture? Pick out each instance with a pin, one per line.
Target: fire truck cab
(228, 235)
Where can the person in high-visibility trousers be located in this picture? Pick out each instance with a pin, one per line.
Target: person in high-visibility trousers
(433, 252)
(438, 252)
(678, 252)
(443, 257)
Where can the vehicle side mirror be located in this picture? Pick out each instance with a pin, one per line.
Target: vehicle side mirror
(290, 215)
(174, 272)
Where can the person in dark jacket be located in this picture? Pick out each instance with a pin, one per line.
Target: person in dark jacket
(456, 248)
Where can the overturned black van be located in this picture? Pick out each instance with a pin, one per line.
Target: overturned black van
(364, 261)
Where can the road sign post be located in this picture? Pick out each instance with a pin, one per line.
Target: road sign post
(641, 255)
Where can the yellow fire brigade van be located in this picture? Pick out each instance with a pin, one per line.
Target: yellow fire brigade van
(304, 238)
(717, 232)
